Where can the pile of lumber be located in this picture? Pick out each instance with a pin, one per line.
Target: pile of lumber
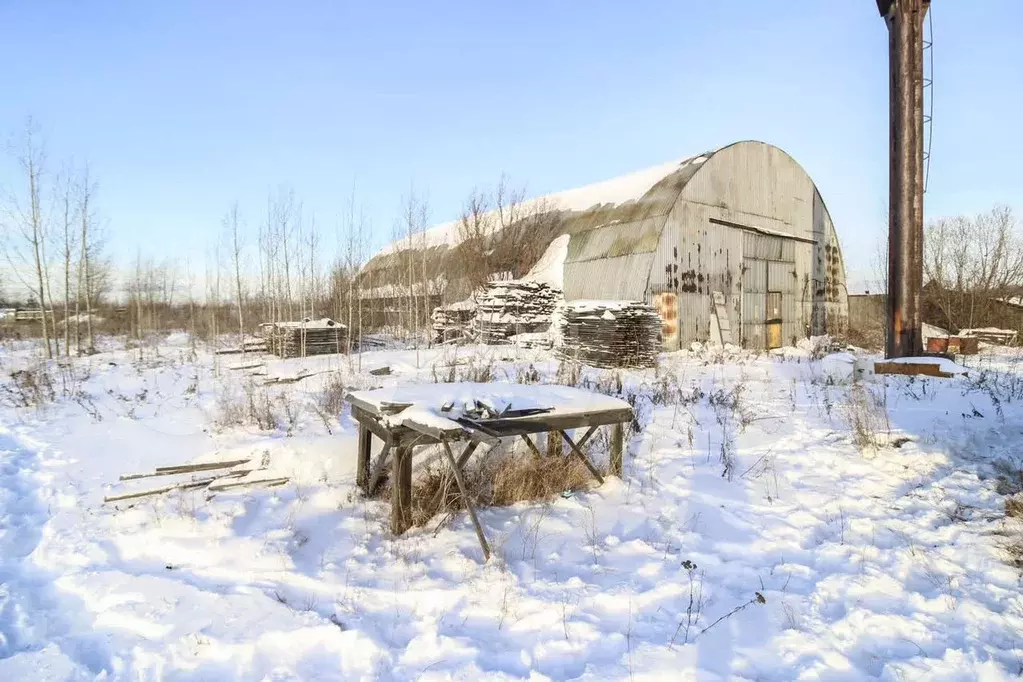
(307, 337)
(608, 333)
(453, 322)
(213, 477)
(992, 335)
(248, 345)
(512, 307)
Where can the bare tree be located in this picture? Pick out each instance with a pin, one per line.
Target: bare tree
(67, 208)
(26, 233)
(85, 275)
(231, 223)
(476, 229)
(972, 264)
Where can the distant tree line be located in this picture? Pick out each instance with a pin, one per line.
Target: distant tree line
(973, 271)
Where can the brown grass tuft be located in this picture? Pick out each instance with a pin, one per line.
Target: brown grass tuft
(1014, 506)
(526, 477)
(495, 480)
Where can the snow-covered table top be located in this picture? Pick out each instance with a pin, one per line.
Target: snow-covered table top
(423, 404)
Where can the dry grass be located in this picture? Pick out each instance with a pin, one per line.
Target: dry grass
(1014, 507)
(525, 477)
(495, 480)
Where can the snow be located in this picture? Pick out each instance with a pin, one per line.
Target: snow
(929, 331)
(550, 269)
(620, 190)
(874, 563)
(430, 398)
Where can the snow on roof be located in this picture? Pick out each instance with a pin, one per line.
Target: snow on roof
(550, 269)
(1015, 301)
(615, 191)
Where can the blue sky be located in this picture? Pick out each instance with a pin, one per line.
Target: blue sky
(183, 107)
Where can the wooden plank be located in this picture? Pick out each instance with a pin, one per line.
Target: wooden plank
(911, 369)
(549, 422)
(269, 482)
(617, 447)
(182, 469)
(185, 485)
(468, 502)
(362, 463)
(582, 456)
(467, 453)
(401, 489)
(373, 424)
(532, 446)
(432, 431)
(202, 466)
(379, 470)
(355, 401)
(462, 460)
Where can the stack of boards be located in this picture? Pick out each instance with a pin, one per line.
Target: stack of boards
(308, 337)
(608, 333)
(213, 477)
(515, 306)
(452, 322)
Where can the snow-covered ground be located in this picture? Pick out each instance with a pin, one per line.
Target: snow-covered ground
(776, 521)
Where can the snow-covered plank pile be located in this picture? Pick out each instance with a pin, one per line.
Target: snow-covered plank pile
(608, 333)
(514, 306)
(452, 322)
(994, 335)
(306, 337)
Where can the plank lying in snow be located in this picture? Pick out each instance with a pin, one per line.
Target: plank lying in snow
(184, 485)
(294, 378)
(185, 469)
(219, 485)
(247, 365)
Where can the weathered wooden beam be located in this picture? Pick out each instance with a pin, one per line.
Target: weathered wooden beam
(443, 487)
(183, 469)
(468, 502)
(434, 432)
(467, 453)
(401, 489)
(582, 456)
(268, 482)
(185, 485)
(378, 470)
(541, 423)
(202, 466)
(373, 424)
(532, 446)
(617, 448)
(362, 463)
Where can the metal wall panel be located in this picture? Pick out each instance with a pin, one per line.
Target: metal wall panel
(622, 278)
(754, 276)
(781, 277)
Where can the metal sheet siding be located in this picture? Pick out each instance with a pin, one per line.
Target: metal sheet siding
(622, 278)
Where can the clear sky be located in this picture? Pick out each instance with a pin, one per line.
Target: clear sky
(183, 107)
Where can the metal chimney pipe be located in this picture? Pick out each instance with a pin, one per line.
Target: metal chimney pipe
(905, 21)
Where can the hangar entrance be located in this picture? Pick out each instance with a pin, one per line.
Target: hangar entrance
(769, 294)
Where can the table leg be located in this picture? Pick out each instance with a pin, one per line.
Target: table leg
(401, 489)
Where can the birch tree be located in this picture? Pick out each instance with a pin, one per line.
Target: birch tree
(67, 207)
(25, 230)
(231, 223)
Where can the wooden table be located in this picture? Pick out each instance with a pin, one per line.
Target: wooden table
(403, 425)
